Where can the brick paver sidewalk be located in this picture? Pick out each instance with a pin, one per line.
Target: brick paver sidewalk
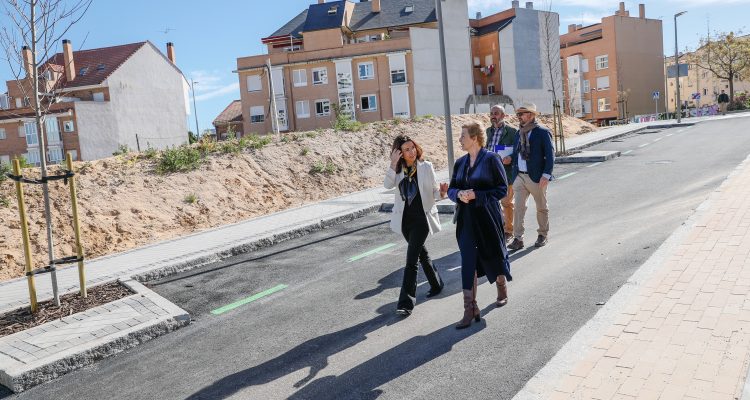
(686, 334)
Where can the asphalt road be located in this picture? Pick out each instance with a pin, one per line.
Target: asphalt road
(329, 330)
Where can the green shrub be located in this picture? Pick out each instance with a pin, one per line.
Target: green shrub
(230, 146)
(150, 153)
(304, 151)
(258, 142)
(4, 171)
(206, 145)
(344, 122)
(285, 139)
(4, 201)
(326, 168)
(121, 150)
(182, 158)
(190, 199)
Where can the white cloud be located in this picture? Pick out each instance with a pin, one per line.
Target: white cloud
(707, 3)
(217, 91)
(585, 18)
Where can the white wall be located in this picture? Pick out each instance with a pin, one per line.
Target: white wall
(525, 75)
(428, 79)
(147, 98)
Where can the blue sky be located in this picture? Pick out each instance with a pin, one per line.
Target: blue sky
(210, 35)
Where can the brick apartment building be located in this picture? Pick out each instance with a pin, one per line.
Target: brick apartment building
(510, 55)
(102, 98)
(612, 68)
(377, 59)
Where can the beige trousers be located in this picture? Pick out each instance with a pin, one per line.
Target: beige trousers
(523, 186)
(507, 205)
(723, 108)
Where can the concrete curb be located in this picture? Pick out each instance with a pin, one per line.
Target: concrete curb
(19, 376)
(619, 135)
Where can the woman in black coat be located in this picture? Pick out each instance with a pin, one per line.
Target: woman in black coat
(477, 185)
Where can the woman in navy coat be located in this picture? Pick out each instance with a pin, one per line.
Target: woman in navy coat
(477, 185)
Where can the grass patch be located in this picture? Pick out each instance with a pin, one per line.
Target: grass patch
(231, 146)
(121, 150)
(327, 168)
(304, 151)
(150, 153)
(257, 142)
(4, 201)
(190, 199)
(4, 171)
(177, 159)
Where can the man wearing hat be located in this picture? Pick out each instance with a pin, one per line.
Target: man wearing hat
(533, 159)
(501, 139)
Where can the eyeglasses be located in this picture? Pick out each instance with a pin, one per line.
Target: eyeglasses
(522, 113)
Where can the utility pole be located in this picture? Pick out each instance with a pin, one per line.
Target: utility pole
(677, 102)
(195, 109)
(274, 111)
(446, 99)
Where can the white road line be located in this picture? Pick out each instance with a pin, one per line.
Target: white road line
(644, 145)
(567, 175)
(420, 284)
(658, 139)
(668, 135)
(454, 268)
(594, 164)
(627, 152)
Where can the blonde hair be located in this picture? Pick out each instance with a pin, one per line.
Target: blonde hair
(475, 132)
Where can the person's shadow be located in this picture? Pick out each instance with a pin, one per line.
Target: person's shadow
(363, 379)
(5, 392)
(393, 280)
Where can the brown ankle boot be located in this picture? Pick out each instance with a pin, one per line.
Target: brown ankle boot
(468, 310)
(477, 315)
(502, 291)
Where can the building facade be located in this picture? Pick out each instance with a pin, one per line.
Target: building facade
(612, 68)
(371, 60)
(98, 100)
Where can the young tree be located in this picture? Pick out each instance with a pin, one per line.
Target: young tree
(30, 31)
(727, 56)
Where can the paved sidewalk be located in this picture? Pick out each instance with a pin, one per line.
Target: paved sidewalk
(680, 327)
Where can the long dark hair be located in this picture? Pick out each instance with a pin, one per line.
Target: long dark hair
(398, 142)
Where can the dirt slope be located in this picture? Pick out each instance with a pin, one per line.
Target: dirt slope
(124, 203)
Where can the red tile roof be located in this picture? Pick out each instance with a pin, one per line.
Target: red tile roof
(98, 63)
(233, 113)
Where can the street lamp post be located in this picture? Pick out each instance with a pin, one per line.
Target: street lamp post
(446, 100)
(195, 109)
(677, 103)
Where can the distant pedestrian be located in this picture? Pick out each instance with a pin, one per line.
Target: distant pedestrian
(723, 101)
(533, 160)
(414, 215)
(501, 139)
(477, 185)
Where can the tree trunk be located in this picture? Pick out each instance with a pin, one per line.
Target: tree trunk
(731, 87)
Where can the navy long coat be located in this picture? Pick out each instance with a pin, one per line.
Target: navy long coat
(481, 218)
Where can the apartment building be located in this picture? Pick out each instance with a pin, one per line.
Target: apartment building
(100, 99)
(515, 54)
(375, 60)
(612, 68)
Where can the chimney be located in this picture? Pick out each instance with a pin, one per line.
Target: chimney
(479, 15)
(321, 1)
(621, 11)
(579, 26)
(170, 52)
(530, 5)
(642, 11)
(571, 28)
(27, 64)
(515, 3)
(376, 6)
(70, 66)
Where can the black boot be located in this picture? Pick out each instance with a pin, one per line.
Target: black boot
(407, 297)
(432, 274)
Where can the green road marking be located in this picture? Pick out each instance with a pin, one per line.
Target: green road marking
(567, 175)
(371, 252)
(238, 303)
(627, 152)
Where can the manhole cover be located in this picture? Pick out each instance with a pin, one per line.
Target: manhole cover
(660, 162)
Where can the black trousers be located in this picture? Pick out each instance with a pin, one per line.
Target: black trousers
(415, 231)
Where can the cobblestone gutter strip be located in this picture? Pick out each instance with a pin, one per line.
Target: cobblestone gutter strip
(54, 349)
(217, 254)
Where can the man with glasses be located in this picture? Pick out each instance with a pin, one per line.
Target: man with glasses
(501, 139)
(533, 159)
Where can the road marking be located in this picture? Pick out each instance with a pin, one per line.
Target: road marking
(420, 284)
(594, 164)
(371, 252)
(446, 224)
(644, 145)
(568, 175)
(668, 135)
(454, 268)
(658, 139)
(627, 152)
(238, 303)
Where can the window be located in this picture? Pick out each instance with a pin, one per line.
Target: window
(55, 155)
(320, 76)
(100, 67)
(602, 83)
(68, 126)
(602, 62)
(31, 138)
(4, 103)
(99, 96)
(303, 108)
(332, 10)
(705, 92)
(587, 107)
(409, 9)
(488, 60)
(398, 76)
(52, 129)
(603, 104)
(19, 104)
(322, 108)
(26, 102)
(300, 77)
(368, 102)
(491, 88)
(586, 87)
(257, 115)
(253, 83)
(32, 157)
(585, 65)
(477, 62)
(83, 71)
(366, 70)
(73, 154)
(2, 133)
